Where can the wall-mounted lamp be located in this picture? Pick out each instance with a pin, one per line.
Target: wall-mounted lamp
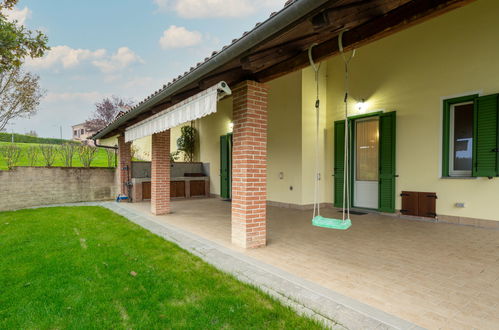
(361, 106)
(231, 126)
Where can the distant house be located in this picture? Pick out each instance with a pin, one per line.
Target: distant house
(82, 134)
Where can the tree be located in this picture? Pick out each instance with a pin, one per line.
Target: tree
(20, 95)
(106, 111)
(32, 133)
(16, 41)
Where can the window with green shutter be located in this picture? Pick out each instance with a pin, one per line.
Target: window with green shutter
(470, 137)
(485, 162)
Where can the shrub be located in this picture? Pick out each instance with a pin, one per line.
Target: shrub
(187, 142)
(48, 154)
(67, 151)
(87, 154)
(111, 156)
(10, 154)
(133, 152)
(174, 156)
(32, 155)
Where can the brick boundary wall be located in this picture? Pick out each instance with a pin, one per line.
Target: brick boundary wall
(249, 165)
(160, 173)
(24, 187)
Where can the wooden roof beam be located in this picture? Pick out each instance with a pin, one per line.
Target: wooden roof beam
(409, 14)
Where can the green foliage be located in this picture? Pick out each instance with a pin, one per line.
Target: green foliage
(133, 151)
(48, 154)
(111, 157)
(10, 153)
(186, 143)
(71, 268)
(21, 138)
(174, 156)
(32, 155)
(87, 154)
(17, 42)
(67, 151)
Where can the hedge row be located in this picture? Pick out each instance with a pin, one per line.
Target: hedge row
(21, 138)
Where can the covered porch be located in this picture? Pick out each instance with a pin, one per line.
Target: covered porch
(434, 275)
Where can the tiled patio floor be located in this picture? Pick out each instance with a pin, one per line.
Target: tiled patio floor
(435, 275)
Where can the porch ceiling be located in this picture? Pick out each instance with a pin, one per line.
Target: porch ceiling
(279, 46)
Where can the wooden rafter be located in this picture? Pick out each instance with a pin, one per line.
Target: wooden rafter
(396, 20)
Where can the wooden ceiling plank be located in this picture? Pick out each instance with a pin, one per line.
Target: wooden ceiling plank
(411, 13)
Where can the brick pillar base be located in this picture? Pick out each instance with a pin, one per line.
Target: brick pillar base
(249, 165)
(160, 173)
(125, 164)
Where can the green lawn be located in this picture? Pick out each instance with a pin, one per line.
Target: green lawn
(99, 161)
(72, 268)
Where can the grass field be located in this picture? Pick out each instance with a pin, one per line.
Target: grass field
(89, 268)
(99, 161)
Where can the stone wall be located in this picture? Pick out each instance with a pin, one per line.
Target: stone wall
(34, 186)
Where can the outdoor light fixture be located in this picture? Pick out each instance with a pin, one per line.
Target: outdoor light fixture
(231, 126)
(361, 106)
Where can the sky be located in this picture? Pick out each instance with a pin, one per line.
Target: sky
(126, 48)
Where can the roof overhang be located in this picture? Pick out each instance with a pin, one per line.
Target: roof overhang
(279, 46)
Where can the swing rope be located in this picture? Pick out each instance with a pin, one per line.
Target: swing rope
(346, 160)
(317, 219)
(317, 207)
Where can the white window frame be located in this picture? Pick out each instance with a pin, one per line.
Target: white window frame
(452, 172)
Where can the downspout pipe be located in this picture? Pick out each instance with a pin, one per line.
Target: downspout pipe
(284, 18)
(102, 146)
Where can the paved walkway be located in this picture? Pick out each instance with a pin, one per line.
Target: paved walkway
(438, 276)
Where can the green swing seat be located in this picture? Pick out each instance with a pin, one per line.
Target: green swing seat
(320, 221)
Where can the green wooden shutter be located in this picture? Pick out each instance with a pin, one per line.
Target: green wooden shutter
(339, 161)
(485, 162)
(224, 167)
(387, 135)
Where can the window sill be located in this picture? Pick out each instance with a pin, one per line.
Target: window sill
(459, 177)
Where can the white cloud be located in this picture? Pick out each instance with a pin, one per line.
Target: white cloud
(120, 60)
(67, 97)
(179, 37)
(67, 57)
(64, 56)
(19, 15)
(217, 8)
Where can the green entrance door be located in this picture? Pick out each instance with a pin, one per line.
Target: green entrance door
(386, 161)
(226, 166)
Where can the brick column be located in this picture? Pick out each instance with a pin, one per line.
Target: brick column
(160, 173)
(249, 165)
(124, 164)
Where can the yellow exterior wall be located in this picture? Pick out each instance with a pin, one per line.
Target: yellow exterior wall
(309, 133)
(210, 128)
(110, 142)
(412, 72)
(284, 139)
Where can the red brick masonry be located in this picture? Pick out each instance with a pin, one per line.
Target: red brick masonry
(249, 165)
(160, 173)
(125, 164)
